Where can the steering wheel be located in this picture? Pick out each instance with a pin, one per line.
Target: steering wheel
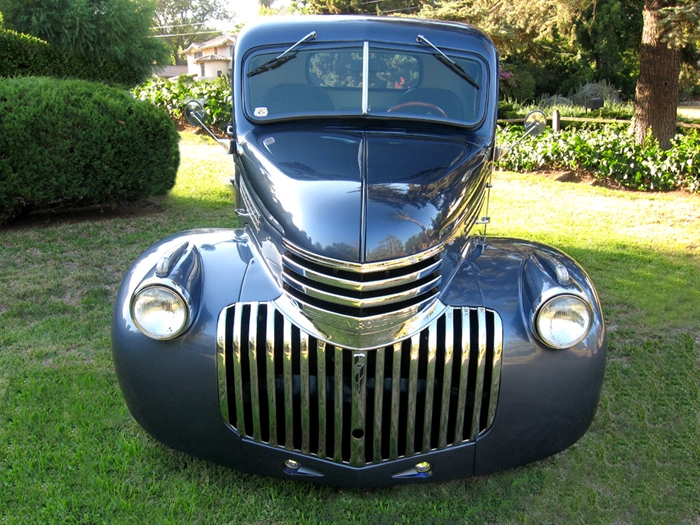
(417, 104)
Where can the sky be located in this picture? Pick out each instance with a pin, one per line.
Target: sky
(245, 10)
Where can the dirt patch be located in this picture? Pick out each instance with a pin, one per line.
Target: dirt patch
(48, 218)
(581, 177)
(182, 126)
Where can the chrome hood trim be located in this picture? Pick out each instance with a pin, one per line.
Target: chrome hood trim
(361, 306)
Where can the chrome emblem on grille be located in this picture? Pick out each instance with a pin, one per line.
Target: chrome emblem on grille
(359, 361)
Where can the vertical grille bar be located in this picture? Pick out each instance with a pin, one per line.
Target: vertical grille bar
(238, 368)
(338, 397)
(222, 362)
(253, 366)
(412, 396)
(270, 372)
(358, 411)
(378, 404)
(446, 379)
(321, 381)
(288, 385)
(305, 394)
(463, 377)
(395, 400)
(497, 364)
(429, 387)
(435, 389)
(480, 367)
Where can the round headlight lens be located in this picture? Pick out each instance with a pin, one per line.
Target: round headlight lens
(563, 321)
(159, 312)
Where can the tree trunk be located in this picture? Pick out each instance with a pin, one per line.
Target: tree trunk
(657, 87)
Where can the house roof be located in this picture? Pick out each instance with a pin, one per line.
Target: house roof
(212, 58)
(219, 41)
(170, 71)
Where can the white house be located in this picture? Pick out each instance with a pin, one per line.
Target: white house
(210, 59)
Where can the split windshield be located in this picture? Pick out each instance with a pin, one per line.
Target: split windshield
(364, 80)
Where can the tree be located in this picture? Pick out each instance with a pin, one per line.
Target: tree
(609, 33)
(668, 26)
(114, 31)
(189, 21)
(359, 7)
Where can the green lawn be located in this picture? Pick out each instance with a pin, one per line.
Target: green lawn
(71, 453)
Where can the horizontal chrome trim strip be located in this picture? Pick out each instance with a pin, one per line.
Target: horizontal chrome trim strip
(361, 302)
(369, 286)
(363, 267)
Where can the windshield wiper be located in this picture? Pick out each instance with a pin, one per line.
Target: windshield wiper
(454, 66)
(284, 57)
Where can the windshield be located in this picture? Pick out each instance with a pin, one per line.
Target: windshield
(367, 80)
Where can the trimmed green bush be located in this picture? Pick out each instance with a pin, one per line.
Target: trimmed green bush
(24, 55)
(608, 153)
(67, 143)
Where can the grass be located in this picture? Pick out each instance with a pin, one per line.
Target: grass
(71, 453)
(689, 112)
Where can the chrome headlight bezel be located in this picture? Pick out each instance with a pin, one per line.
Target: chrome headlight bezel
(549, 308)
(177, 294)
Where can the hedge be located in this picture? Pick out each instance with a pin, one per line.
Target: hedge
(67, 143)
(610, 153)
(24, 55)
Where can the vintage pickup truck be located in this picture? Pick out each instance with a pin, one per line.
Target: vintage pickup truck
(355, 326)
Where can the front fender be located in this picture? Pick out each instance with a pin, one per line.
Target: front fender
(170, 386)
(547, 397)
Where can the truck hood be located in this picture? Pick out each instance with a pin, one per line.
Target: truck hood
(366, 197)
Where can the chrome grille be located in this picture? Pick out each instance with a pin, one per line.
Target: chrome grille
(283, 387)
(360, 290)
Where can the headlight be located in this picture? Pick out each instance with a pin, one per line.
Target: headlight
(159, 312)
(563, 321)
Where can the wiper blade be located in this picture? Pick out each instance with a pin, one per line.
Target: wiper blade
(284, 57)
(454, 66)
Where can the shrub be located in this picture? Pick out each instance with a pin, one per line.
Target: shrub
(76, 143)
(609, 153)
(516, 82)
(24, 55)
(171, 95)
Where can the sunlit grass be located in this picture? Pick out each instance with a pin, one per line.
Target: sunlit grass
(71, 453)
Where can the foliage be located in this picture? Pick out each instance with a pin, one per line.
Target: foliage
(512, 109)
(609, 33)
(680, 22)
(171, 96)
(517, 28)
(91, 463)
(25, 55)
(357, 7)
(609, 153)
(602, 89)
(116, 32)
(72, 143)
(188, 20)
(516, 83)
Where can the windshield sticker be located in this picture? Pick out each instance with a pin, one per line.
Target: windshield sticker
(269, 141)
(260, 112)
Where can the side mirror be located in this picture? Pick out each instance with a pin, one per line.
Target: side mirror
(195, 114)
(535, 124)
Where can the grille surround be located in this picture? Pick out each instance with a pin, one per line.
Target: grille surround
(325, 400)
